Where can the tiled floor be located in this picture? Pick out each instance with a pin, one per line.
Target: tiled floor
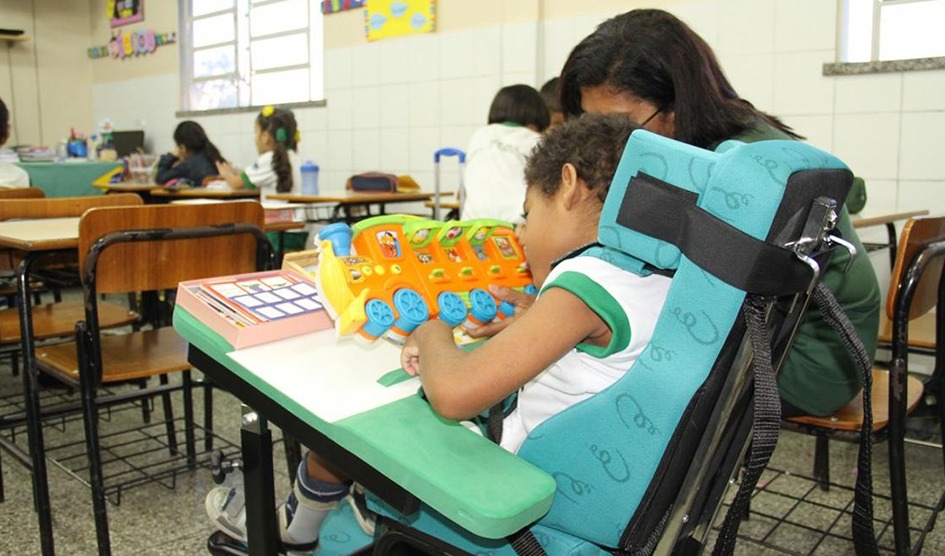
(153, 519)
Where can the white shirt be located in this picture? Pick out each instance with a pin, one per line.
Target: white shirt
(495, 172)
(261, 174)
(579, 375)
(12, 176)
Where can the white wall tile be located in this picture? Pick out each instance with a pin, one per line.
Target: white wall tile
(457, 54)
(868, 144)
(484, 91)
(312, 118)
(701, 15)
(366, 150)
(332, 181)
(921, 195)
(338, 70)
(753, 77)
(454, 136)
(868, 93)
(519, 47)
(525, 77)
(394, 61)
(395, 150)
(424, 52)
(746, 27)
(456, 97)
(556, 45)
(803, 25)
(394, 106)
(923, 139)
(424, 103)
(365, 64)
(923, 90)
(487, 58)
(817, 129)
(340, 152)
(340, 109)
(881, 196)
(366, 111)
(799, 86)
(423, 142)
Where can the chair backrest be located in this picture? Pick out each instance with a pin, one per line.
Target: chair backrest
(916, 235)
(155, 262)
(22, 193)
(62, 207)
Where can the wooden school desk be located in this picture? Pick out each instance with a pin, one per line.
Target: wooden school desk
(868, 219)
(346, 201)
(401, 451)
(153, 193)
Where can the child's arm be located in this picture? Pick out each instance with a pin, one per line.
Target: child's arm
(234, 178)
(462, 384)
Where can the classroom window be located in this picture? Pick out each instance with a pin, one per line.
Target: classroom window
(249, 53)
(875, 30)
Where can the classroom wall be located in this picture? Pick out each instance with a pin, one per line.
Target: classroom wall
(46, 80)
(390, 104)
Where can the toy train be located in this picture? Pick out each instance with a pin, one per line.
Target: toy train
(389, 274)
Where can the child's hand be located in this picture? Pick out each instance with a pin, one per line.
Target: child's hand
(410, 356)
(521, 301)
(225, 169)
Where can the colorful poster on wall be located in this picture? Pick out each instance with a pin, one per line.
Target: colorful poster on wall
(396, 18)
(123, 12)
(332, 6)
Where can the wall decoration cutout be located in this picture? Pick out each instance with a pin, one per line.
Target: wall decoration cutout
(123, 12)
(123, 45)
(332, 6)
(396, 18)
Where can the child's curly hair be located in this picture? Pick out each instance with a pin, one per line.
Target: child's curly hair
(593, 143)
(281, 124)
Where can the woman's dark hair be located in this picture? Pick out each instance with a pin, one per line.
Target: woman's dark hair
(191, 135)
(549, 92)
(519, 104)
(593, 144)
(281, 124)
(655, 56)
(4, 122)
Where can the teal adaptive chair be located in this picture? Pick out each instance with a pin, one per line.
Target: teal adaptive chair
(643, 465)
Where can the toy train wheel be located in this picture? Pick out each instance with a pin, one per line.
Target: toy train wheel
(452, 309)
(482, 306)
(380, 317)
(412, 309)
(530, 289)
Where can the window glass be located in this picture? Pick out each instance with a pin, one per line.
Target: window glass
(912, 30)
(204, 7)
(213, 30)
(277, 18)
(279, 87)
(289, 50)
(209, 95)
(215, 61)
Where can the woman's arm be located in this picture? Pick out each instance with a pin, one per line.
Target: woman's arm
(461, 384)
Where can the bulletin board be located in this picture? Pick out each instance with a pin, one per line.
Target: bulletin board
(123, 12)
(332, 6)
(396, 18)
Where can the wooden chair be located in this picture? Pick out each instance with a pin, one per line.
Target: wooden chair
(137, 249)
(915, 289)
(57, 320)
(22, 193)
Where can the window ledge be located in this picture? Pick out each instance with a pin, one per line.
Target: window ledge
(246, 109)
(888, 66)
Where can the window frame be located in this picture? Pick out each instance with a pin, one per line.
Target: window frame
(875, 32)
(242, 43)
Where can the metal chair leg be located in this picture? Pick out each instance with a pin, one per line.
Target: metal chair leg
(822, 462)
(190, 442)
(145, 409)
(169, 418)
(92, 446)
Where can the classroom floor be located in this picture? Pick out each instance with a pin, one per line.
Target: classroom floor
(169, 518)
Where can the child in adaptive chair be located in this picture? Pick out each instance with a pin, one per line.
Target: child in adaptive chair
(592, 319)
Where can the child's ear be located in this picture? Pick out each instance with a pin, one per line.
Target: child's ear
(573, 189)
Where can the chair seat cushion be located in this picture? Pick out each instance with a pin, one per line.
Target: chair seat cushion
(57, 320)
(921, 331)
(850, 416)
(124, 357)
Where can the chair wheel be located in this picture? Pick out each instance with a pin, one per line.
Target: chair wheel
(220, 467)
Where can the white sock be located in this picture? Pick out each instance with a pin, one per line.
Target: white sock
(305, 518)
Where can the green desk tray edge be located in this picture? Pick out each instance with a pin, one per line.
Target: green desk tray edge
(473, 482)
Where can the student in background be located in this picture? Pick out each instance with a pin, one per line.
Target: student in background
(194, 159)
(494, 181)
(277, 170)
(10, 175)
(583, 299)
(549, 92)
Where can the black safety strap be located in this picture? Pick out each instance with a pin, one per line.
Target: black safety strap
(525, 544)
(660, 210)
(494, 423)
(864, 537)
(766, 414)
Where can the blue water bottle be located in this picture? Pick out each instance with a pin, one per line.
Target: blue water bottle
(309, 178)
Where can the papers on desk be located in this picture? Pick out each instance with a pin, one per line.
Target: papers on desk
(332, 377)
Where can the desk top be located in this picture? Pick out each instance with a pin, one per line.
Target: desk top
(123, 187)
(462, 475)
(204, 193)
(867, 219)
(356, 197)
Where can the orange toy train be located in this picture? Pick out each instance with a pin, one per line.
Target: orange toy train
(389, 274)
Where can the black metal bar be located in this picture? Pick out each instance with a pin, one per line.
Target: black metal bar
(31, 398)
(189, 441)
(822, 461)
(261, 531)
(893, 242)
(168, 417)
(208, 414)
